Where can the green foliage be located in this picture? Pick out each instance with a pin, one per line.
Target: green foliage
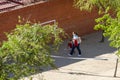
(103, 6)
(84, 4)
(102, 22)
(110, 25)
(27, 49)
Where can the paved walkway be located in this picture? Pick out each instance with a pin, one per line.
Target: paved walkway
(86, 69)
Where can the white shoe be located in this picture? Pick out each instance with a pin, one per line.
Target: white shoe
(69, 55)
(79, 55)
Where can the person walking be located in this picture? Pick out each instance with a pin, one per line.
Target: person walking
(76, 44)
(69, 45)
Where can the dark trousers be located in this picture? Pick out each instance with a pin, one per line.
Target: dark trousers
(73, 48)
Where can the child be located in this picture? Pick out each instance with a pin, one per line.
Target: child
(70, 44)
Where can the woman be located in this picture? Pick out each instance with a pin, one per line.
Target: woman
(76, 44)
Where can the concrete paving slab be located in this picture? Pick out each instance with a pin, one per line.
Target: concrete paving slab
(86, 69)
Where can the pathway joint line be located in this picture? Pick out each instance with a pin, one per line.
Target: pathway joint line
(77, 58)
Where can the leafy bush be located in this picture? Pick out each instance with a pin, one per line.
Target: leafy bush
(27, 49)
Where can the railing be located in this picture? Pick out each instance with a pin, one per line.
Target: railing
(7, 5)
(47, 22)
(16, 1)
(11, 4)
(3, 3)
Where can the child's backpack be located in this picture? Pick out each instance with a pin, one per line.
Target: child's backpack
(75, 42)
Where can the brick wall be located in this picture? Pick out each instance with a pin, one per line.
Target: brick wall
(68, 18)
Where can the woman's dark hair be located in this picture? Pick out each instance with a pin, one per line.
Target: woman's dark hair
(76, 33)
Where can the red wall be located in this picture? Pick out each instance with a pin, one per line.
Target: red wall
(68, 18)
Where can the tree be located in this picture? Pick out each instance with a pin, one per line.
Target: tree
(111, 29)
(28, 49)
(103, 7)
(110, 25)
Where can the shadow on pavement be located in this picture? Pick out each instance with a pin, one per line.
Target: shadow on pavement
(90, 47)
(89, 74)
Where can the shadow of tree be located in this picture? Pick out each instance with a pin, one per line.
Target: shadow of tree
(90, 48)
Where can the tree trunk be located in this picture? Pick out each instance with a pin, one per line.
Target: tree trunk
(116, 68)
(103, 38)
